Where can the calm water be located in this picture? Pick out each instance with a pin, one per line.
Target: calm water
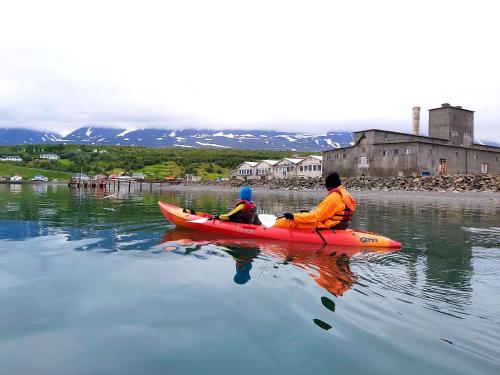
(92, 284)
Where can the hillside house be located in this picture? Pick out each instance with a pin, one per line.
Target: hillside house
(11, 158)
(264, 169)
(310, 167)
(39, 178)
(138, 176)
(246, 170)
(49, 156)
(286, 167)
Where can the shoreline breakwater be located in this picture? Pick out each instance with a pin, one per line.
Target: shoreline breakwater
(455, 183)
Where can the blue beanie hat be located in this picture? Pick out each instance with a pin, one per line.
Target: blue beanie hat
(246, 194)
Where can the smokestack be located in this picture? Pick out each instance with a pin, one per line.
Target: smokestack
(416, 120)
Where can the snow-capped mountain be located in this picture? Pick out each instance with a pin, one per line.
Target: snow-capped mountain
(235, 139)
(14, 136)
(194, 138)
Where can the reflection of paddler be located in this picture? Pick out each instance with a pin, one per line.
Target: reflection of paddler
(243, 257)
(242, 275)
(337, 278)
(327, 265)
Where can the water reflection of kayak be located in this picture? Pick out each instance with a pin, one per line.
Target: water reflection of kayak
(328, 265)
(201, 222)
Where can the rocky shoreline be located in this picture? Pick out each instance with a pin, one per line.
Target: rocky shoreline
(456, 183)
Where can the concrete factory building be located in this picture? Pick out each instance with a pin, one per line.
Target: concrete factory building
(449, 149)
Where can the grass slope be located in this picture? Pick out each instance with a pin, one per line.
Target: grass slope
(7, 169)
(161, 170)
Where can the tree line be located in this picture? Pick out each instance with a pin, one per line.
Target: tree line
(129, 159)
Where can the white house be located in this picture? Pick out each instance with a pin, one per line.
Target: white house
(192, 178)
(264, 169)
(311, 166)
(246, 170)
(138, 176)
(49, 156)
(286, 167)
(16, 178)
(11, 158)
(39, 178)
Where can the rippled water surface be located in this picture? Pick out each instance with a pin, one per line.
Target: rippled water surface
(95, 282)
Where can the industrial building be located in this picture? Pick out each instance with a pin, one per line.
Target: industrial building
(449, 149)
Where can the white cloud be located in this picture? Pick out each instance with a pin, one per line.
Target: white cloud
(328, 64)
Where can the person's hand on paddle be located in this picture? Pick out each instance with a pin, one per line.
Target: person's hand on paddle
(288, 215)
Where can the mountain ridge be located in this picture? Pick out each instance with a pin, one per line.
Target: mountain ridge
(188, 137)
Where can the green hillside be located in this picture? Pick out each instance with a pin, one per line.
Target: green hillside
(157, 163)
(7, 169)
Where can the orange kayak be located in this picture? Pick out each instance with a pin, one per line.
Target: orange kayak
(205, 223)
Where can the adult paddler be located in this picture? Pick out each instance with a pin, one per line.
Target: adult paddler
(335, 211)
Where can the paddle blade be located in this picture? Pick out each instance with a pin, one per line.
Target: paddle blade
(267, 220)
(198, 221)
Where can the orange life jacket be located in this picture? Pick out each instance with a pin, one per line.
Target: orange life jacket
(343, 217)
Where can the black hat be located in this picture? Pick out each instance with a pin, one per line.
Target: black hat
(332, 181)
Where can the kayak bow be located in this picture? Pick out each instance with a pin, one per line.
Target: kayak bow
(348, 237)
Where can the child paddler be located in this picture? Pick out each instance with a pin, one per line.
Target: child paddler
(335, 211)
(245, 211)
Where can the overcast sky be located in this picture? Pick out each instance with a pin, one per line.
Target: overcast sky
(290, 65)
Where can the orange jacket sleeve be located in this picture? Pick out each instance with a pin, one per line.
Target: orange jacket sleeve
(325, 210)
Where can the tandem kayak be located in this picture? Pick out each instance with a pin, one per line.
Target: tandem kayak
(203, 222)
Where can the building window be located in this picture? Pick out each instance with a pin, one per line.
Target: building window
(336, 156)
(484, 167)
(475, 156)
(363, 161)
(301, 168)
(344, 156)
(454, 133)
(456, 154)
(467, 134)
(363, 149)
(319, 167)
(396, 151)
(407, 151)
(384, 152)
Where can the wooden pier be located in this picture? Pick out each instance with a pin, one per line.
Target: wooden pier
(116, 184)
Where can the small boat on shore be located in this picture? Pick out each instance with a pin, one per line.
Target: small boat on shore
(200, 221)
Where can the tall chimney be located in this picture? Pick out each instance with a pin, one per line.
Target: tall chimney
(416, 120)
